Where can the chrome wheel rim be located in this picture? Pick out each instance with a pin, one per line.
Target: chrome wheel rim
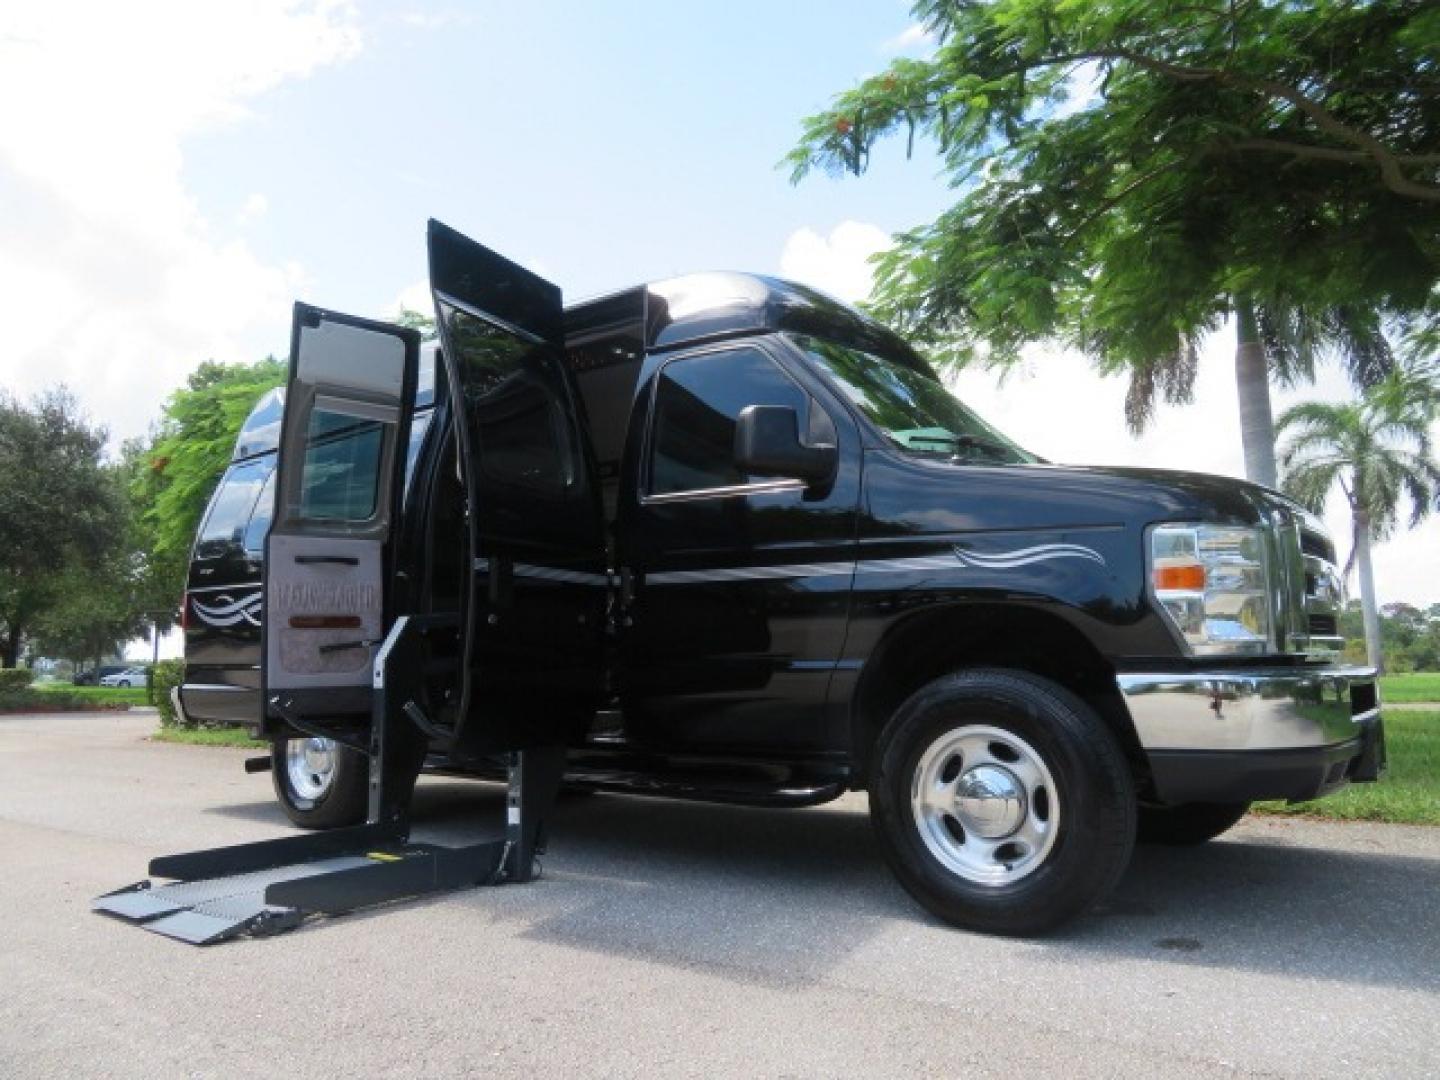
(985, 804)
(310, 767)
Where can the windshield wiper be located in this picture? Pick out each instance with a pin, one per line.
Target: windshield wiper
(965, 442)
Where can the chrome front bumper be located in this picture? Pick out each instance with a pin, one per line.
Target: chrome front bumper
(1288, 733)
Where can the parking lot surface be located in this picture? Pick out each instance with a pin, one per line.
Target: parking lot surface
(682, 939)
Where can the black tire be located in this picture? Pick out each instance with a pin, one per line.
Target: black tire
(1188, 823)
(344, 800)
(1093, 813)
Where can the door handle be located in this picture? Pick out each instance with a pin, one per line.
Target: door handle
(343, 560)
(342, 646)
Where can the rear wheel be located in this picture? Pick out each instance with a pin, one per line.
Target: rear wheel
(1188, 823)
(320, 784)
(1003, 803)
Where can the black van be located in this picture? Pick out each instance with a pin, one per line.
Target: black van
(725, 538)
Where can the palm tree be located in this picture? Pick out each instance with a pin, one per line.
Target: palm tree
(1274, 341)
(1378, 450)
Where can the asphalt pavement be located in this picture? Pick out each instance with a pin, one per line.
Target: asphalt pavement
(675, 939)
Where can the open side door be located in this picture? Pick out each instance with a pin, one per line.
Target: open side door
(340, 480)
(533, 615)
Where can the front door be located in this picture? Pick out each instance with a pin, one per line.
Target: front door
(739, 585)
(339, 482)
(533, 617)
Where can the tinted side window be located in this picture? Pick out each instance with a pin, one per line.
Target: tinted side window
(230, 508)
(259, 526)
(697, 401)
(516, 404)
(340, 476)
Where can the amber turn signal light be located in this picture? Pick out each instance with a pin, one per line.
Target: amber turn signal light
(1187, 577)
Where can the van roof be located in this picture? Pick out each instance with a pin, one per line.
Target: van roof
(659, 316)
(695, 307)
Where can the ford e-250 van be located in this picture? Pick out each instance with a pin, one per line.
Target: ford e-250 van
(722, 537)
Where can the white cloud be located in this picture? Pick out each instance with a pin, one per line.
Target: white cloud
(838, 263)
(254, 207)
(914, 37)
(1060, 408)
(117, 280)
(433, 20)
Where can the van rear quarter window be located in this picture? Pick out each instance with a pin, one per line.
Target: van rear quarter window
(231, 507)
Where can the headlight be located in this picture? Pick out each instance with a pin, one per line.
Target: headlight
(1211, 583)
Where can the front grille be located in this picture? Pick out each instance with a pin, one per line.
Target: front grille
(1308, 590)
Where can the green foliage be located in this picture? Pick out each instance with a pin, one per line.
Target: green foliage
(1377, 449)
(62, 699)
(171, 479)
(15, 678)
(1128, 172)
(101, 695)
(416, 320)
(1409, 641)
(59, 508)
(1408, 794)
(164, 677)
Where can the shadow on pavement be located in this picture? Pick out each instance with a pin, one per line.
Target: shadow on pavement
(784, 895)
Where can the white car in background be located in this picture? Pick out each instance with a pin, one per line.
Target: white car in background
(134, 676)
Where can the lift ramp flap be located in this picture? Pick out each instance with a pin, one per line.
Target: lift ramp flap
(273, 885)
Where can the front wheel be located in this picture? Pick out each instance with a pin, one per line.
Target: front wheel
(320, 784)
(1002, 801)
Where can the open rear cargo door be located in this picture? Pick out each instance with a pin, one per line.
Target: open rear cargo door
(533, 616)
(339, 484)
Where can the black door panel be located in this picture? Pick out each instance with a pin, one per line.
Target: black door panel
(534, 607)
(739, 611)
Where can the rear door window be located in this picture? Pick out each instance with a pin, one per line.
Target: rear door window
(340, 476)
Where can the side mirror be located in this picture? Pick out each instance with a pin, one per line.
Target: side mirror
(767, 443)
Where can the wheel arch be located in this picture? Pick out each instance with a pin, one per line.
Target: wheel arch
(926, 645)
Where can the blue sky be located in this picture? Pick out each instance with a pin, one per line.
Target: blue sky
(174, 174)
(602, 143)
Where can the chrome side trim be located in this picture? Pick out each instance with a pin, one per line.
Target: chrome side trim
(766, 487)
(750, 573)
(1267, 709)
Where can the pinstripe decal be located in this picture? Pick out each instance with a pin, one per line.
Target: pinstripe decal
(958, 558)
(1004, 560)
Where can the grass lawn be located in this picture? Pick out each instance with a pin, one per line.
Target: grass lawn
(113, 695)
(237, 737)
(1408, 794)
(1421, 686)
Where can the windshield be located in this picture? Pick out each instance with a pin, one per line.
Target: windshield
(911, 408)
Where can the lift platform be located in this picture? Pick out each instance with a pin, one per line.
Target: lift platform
(270, 886)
